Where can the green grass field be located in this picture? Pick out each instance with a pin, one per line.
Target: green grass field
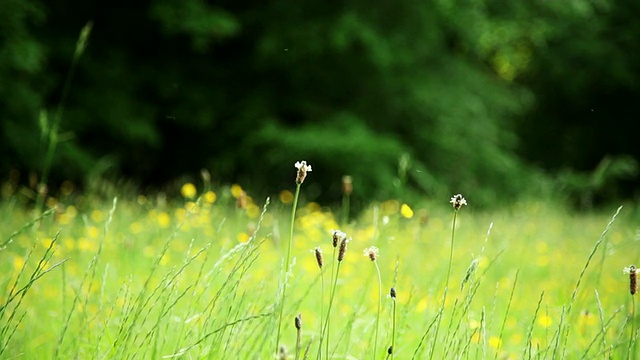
(198, 278)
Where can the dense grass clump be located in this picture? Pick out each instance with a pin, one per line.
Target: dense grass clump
(204, 277)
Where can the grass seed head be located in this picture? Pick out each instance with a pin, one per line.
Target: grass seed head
(347, 185)
(343, 249)
(390, 350)
(241, 201)
(371, 252)
(392, 293)
(303, 168)
(337, 237)
(458, 201)
(319, 259)
(298, 321)
(633, 278)
(470, 271)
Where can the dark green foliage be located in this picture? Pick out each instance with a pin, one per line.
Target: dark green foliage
(430, 98)
(587, 80)
(22, 58)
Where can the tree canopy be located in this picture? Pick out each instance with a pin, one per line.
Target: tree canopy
(407, 97)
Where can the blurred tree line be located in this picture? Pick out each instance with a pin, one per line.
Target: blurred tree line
(485, 97)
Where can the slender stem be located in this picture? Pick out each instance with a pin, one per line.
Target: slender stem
(53, 130)
(593, 251)
(375, 341)
(506, 314)
(446, 289)
(326, 323)
(345, 209)
(632, 336)
(393, 330)
(298, 342)
(453, 235)
(331, 281)
(287, 267)
(321, 307)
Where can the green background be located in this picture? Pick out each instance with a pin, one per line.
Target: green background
(498, 99)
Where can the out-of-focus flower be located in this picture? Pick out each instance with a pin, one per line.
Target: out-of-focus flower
(347, 185)
(371, 252)
(303, 168)
(188, 190)
(406, 211)
(458, 201)
(337, 237)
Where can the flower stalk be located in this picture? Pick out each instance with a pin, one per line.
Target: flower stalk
(372, 254)
(458, 201)
(337, 236)
(392, 294)
(347, 189)
(632, 271)
(320, 262)
(301, 174)
(298, 325)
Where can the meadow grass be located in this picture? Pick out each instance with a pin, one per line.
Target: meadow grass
(200, 277)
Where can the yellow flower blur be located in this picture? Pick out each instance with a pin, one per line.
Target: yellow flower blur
(286, 197)
(545, 321)
(406, 211)
(236, 190)
(210, 197)
(188, 191)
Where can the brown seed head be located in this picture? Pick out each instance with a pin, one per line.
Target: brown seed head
(303, 168)
(319, 259)
(633, 278)
(241, 201)
(347, 185)
(343, 249)
(371, 252)
(392, 293)
(337, 237)
(390, 350)
(298, 321)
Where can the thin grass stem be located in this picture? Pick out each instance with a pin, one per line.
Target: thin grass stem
(326, 323)
(52, 132)
(593, 252)
(530, 332)
(391, 349)
(424, 336)
(328, 318)
(446, 288)
(603, 331)
(377, 325)
(298, 324)
(321, 307)
(632, 333)
(25, 227)
(287, 267)
(506, 314)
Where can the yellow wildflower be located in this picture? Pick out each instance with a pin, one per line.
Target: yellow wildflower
(188, 191)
